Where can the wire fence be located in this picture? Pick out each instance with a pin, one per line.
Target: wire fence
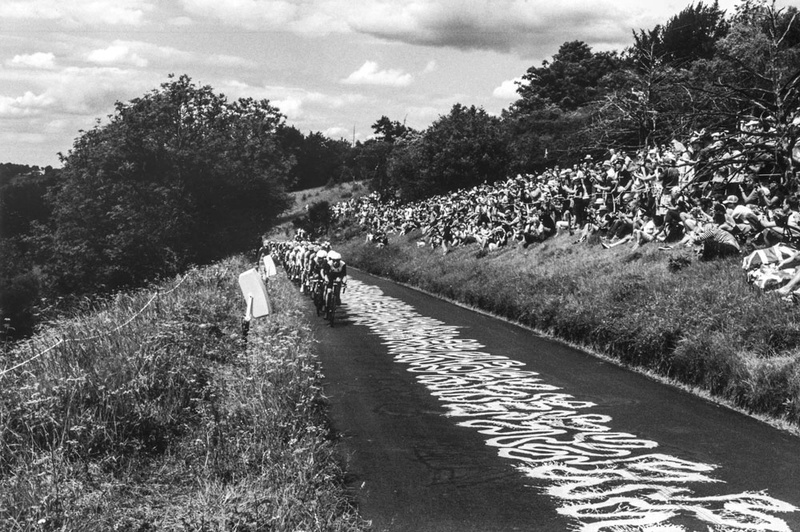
(97, 336)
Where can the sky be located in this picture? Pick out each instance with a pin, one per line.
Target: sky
(330, 66)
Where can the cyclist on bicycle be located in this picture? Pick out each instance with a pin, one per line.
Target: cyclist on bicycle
(335, 268)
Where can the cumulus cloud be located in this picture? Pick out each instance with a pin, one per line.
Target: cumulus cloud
(508, 89)
(44, 60)
(370, 74)
(118, 53)
(73, 91)
(293, 102)
(26, 105)
(430, 67)
(141, 54)
(78, 12)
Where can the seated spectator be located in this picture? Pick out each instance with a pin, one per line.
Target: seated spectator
(714, 242)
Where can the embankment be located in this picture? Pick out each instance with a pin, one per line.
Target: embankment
(147, 411)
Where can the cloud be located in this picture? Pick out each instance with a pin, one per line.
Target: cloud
(337, 133)
(118, 53)
(26, 105)
(36, 60)
(78, 12)
(249, 14)
(369, 74)
(500, 25)
(430, 67)
(142, 54)
(508, 89)
(317, 17)
(527, 27)
(293, 102)
(73, 91)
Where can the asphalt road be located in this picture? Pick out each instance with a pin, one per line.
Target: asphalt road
(455, 421)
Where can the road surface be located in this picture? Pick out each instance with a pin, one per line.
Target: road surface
(455, 421)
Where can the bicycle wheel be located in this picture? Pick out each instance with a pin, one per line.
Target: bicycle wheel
(330, 308)
(318, 300)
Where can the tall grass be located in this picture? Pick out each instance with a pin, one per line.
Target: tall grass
(696, 322)
(170, 422)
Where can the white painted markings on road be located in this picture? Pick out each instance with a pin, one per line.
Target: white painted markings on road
(603, 480)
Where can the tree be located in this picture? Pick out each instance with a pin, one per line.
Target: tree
(647, 103)
(178, 175)
(752, 87)
(460, 150)
(569, 82)
(319, 160)
(387, 130)
(317, 220)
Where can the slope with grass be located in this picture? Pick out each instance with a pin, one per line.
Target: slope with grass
(665, 312)
(151, 413)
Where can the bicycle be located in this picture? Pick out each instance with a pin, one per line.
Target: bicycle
(332, 299)
(318, 294)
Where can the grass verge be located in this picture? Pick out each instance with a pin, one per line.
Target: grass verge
(665, 312)
(170, 422)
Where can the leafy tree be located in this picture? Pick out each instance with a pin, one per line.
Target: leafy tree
(688, 36)
(19, 291)
(369, 162)
(463, 149)
(752, 86)
(540, 138)
(646, 104)
(317, 221)
(387, 130)
(571, 81)
(22, 202)
(178, 175)
(319, 160)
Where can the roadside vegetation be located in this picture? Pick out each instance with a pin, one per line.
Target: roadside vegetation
(152, 413)
(697, 323)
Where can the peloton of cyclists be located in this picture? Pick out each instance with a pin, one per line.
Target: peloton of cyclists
(313, 265)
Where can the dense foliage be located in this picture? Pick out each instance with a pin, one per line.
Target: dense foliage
(179, 175)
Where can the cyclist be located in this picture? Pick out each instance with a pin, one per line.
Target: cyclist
(305, 268)
(316, 276)
(335, 268)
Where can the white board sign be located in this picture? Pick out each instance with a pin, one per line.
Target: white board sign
(255, 294)
(269, 267)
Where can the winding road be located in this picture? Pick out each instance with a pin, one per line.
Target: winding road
(452, 420)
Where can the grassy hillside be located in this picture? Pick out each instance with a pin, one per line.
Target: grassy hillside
(665, 312)
(332, 194)
(151, 413)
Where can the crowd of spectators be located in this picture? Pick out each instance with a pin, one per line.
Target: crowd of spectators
(675, 193)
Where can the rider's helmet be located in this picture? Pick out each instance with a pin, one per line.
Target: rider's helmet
(326, 246)
(334, 257)
(322, 255)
